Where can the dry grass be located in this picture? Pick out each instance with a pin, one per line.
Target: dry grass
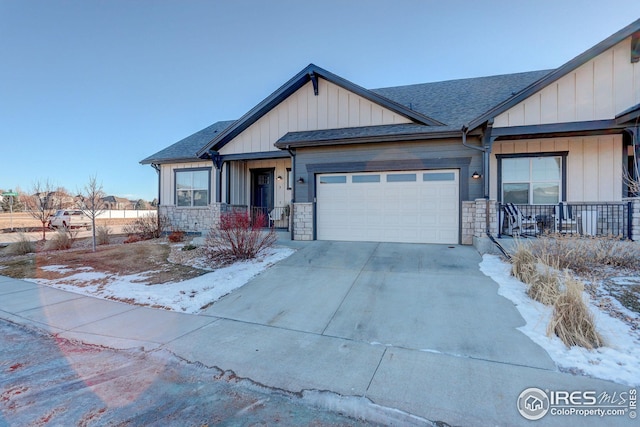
(572, 321)
(145, 257)
(538, 265)
(541, 278)
(103, 235)
(21, 247)
(581, 254)
(61, 240)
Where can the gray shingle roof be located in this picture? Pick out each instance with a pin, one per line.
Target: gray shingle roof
(456, 102)
(453, 102)
(186, 148)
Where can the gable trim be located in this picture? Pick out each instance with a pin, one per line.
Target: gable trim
(563, 70)
(308, 74)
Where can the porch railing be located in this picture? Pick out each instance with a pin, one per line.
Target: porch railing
(277, 217)
(591, 219)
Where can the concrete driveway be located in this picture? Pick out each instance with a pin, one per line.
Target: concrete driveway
(357, 327)
(420, 297)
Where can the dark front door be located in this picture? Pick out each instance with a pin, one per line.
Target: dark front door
(262, 190)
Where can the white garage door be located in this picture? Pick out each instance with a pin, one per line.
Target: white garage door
(408, 206)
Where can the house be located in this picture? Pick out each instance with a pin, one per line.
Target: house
(432, 162)
(117, 203)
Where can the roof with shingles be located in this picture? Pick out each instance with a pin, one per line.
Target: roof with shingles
(456, 102)
(187, 148)
(453, 102)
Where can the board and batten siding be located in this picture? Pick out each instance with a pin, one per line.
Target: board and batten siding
(167, 180)
(597, 90)
(333, 107)
(240, 175)
(594, 165)
(390, 152)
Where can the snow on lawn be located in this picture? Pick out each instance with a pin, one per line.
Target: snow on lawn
(619, 361)
(188, 296)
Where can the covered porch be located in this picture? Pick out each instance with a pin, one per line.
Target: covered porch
(261, 183)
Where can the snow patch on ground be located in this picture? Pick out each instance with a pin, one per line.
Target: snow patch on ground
(188, 296)
(619, 361)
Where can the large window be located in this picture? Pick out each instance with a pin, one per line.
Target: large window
(192, 187)
(532, 180)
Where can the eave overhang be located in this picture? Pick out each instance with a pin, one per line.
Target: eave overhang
(630, 116)
(552, 130)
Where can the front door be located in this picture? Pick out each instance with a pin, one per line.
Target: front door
(262, 190)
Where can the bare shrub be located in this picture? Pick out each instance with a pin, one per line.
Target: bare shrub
(572, 321)
(103, 235)
(22, 246)
(239, 237)
(62, 239)
(147, 227)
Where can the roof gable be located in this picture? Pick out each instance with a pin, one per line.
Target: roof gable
(311, 73)
(558, 73)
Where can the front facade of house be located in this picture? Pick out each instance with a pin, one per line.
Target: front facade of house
(426, 163)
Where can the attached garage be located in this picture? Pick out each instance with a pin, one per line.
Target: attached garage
(419, 206)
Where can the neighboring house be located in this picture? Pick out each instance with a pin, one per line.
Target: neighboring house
(117, 203)
(417, 163)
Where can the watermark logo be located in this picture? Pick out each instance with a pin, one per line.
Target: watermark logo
(533, 403)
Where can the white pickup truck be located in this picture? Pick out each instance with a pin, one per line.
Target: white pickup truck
(69, 218)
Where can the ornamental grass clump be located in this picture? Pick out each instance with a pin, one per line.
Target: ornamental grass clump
(22, 246)
(240, 236)
(62, 240)
(541, 278)
(538, 264)
(103, 235)
(572, 321)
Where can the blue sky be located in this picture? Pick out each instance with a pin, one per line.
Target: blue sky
(93, 86)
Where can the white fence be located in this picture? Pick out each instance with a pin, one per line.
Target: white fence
(121, 214)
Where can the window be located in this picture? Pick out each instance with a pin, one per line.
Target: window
(401, 177)
(192, 187)
(289, 178)
(532, 180)
(365, 178)
(439, 176)
(333, 179)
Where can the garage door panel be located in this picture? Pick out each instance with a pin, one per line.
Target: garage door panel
(413, 206)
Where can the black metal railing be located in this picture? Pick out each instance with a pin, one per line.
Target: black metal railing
(277, 217)
(590, 219)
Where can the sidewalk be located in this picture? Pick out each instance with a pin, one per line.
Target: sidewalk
(435, 386)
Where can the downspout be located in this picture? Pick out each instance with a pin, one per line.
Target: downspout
(293, 186)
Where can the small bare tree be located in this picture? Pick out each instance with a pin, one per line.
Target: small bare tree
(92, 204)
(39, 204)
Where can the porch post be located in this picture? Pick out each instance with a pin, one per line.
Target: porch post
(488, 141)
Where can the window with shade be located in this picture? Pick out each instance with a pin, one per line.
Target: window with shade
(193, 187)
(532, 180)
